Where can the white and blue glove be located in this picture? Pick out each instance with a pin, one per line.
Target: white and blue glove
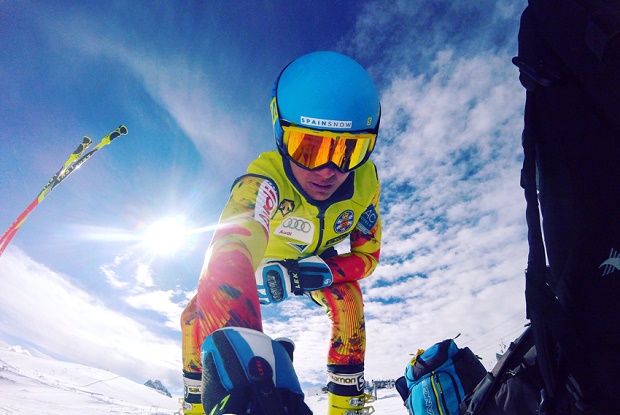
(277, 279)
(244, 371)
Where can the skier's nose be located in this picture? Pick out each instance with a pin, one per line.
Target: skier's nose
(326, 172)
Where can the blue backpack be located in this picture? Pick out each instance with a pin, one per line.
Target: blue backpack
(438, 379)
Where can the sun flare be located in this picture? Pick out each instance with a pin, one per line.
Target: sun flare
(166, 236)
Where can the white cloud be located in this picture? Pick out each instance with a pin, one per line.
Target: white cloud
(46, 309)
(143, 275)
(111, 277)
(128, 273)
(184, 90)
(134, 280)
(160, 302)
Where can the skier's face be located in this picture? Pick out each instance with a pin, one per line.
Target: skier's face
(321, 183)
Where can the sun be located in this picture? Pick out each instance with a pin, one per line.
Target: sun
(166, 236)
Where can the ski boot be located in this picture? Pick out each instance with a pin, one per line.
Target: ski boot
(349, 405)
(192, 400)
(345, 391)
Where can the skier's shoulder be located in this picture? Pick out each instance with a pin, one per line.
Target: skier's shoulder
(267, 167)
(267, 162)
(262, 180)
(367, 172)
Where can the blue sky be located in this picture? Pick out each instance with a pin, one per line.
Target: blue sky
(192, 82)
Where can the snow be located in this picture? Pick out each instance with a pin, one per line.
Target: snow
(33, 385)
(44, 386)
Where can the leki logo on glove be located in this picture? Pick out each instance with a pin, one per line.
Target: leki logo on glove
(259, 369)
(296, 285)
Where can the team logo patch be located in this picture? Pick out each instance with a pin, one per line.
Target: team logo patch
(286, 207)
(266, 202)
(299, 229)
(331, 124)
(368, 219)
(344, 221)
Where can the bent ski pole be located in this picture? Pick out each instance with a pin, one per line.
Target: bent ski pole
(75, 160)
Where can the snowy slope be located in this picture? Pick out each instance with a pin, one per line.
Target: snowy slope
(43, 386)
(32, 385)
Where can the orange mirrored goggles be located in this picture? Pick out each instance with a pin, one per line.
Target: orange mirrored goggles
(312, 149)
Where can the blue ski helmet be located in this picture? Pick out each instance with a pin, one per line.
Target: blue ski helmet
(325, 91)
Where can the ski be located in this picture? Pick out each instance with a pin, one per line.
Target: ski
(75, 160)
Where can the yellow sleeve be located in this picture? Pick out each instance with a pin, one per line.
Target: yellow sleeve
(246, 217)
(227, 293)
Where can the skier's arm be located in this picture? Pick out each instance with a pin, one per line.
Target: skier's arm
(244, 222)
(365, 246)
(227, 288)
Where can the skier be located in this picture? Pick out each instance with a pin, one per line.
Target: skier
(277, 234)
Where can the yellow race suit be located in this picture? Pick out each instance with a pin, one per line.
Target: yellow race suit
(268, 215)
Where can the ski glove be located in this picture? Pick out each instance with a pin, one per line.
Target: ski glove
(244, 371)
(276, 279)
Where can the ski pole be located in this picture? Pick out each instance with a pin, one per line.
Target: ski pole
(75, 160)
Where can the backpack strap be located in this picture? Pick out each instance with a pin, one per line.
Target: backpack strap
(549, 320)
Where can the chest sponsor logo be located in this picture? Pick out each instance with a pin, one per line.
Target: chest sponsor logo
(368, 219)
(337, 239)
(296, 228)
(286, 207)
(300, 247)
(266, 201)
(344, 221)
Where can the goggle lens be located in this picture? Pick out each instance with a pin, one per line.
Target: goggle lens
(314, 149)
